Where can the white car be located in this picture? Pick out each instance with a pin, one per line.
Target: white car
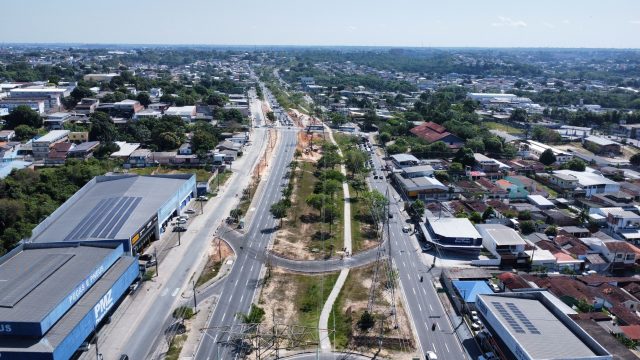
(181, 221)
(431, 355)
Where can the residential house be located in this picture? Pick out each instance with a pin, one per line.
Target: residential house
(87, 106)
(58, 153)
(140, 158)
(432, 132)
(7, 135)
(42, 145)
(83, 150)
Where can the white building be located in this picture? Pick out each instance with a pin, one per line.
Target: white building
(187, 113)
(536, 149)
(42, 145)
(591, 182)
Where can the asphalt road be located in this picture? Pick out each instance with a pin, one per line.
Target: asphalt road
(242, 282)
(422, 301)
(139, 323)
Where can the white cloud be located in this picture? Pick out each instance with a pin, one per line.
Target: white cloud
(566, 21)
(352, 28)
(507, 21)
(549, 25)
(636, 22)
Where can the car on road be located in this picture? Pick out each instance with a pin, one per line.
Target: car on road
(183, 217)
(476, 326)
(390, 215)
(150, 263)
(189, 211)
(179, 229)
(431, 355)
(406, 229)
(145, 257)
(202, 198)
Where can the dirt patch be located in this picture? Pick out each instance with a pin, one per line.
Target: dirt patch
(398, 342)
(218, 251)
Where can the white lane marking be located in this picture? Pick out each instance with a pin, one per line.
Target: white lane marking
(221, 320)
(409, 276)
(446, 346)
(434, 346)
(430, 307)
(414, 291)
(252, 265)
(420, 307)
(242, 297)
(175, 292)
(164, 292)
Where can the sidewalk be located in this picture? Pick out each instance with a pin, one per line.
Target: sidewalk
(323, 327)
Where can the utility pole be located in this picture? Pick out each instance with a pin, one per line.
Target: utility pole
(195, 303)
(95, 336)
(155, 256)
(179, 231)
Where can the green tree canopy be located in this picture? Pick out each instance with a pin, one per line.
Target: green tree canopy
(547, 157)
(102, 128)
(23, 115)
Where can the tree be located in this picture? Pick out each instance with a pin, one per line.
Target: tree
(488, 212)
(202, 142)
(23, 115)
(527, 227)
(271, 116)
(25, 132)
(317, 201)
(102, 128)
(547, 157)
(575, 164)
(375, 203)
(354, 161)
(465, 157)
(168, 141)
(183, 313)
(475, 217)
(518, 115)
(144, 99)
(279, 210)
(366, 321)
(216, 99)
(384, 137)
(551, 230)
(255, 315)
(328, 187)
(456, 168)
(635, 159)
(417, 208)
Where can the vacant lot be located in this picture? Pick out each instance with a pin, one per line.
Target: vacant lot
(502, 127)
(295, 299)
(351, 304)
(303, 235)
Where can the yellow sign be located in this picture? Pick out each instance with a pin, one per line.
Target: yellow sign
(135, 239)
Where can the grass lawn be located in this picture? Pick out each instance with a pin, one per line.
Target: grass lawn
(303, 224)
(355, 293)
(502, 127)
(312, 293)
(345, 141)
(220, 179)
(176, 347)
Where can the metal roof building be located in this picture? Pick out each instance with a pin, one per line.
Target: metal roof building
(124, 208)
(52, 297)
(528, 326)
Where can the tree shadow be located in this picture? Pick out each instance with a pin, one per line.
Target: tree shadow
(309, 218)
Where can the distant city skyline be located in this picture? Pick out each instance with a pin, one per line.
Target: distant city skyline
(490, 23)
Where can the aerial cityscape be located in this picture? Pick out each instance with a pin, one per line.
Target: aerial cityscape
(320, 181)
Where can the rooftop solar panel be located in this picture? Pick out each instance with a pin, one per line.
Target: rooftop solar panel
(105, 219)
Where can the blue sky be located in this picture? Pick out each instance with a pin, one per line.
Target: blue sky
(453, 23)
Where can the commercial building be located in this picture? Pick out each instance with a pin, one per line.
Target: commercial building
(53, 297)
(504, 243)
(42, 145)
(187, 113)
(55, 121)
(531, 326)
(591, 182)
(423, 188)
(37, 105)
(488, 97)
(600, 145)
(432, 132)
(452, 234)
(404, 160)
(127, 209)
(536, 149)
(100, 77)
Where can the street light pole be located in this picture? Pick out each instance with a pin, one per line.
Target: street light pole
(195, 303)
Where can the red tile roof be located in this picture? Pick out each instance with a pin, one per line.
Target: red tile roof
(631, 331)
(430, 131)
(513, 281)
